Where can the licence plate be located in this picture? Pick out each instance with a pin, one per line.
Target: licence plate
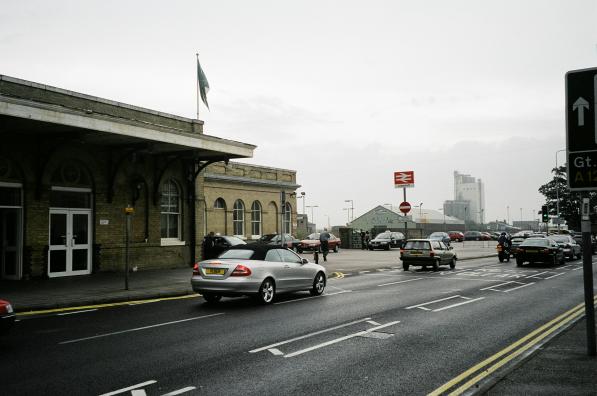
(532, 250)
(215, 271)
(416, 253)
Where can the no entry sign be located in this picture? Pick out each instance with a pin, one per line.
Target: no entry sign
(405, 207)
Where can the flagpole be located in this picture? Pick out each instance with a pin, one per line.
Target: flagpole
(197, 74)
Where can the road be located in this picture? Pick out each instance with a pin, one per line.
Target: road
(378, 332)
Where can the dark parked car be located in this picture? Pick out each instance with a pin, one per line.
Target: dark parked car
(473, 236)
(225, 242)
(456, 236)
(276, 239)
(387, 240)
(7, 317)
(544, 250)
(569, 246)
(578, 239)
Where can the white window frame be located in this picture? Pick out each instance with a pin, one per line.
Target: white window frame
(238, 218)
(170, 241)
(256, 216)
(287, 219)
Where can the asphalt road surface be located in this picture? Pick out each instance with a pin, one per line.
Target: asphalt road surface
(381, 332)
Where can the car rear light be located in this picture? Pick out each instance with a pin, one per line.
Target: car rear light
(401, 250)
(196, 269)
(431, 254)
(547, 251)
(241, 270)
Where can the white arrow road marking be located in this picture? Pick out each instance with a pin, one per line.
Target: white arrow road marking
(138, 392)
(337, 340)
(581, 105)
(276, 352)
(130, 388)
(308, 335)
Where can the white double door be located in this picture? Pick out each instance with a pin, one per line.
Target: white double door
(70, 242)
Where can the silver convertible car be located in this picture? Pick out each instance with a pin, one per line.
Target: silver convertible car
(256, 270)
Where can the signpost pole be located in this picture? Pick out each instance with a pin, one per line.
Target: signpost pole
(581, 153)
(405, 222)
(588, 275)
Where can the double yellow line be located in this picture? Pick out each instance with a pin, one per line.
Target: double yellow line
(106, 305)
(457, 386)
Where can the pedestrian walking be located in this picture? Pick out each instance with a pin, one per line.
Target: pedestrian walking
(363, 245)
(324, 238)
(367, 239)
(207, 246)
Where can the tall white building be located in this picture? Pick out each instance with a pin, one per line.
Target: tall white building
(469, 199)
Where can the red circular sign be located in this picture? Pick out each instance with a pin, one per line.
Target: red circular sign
(405, 207)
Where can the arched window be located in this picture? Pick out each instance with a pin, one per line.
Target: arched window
(170, 211)
(288, 218)
(256, 218)
(220, 203)
(238, 218)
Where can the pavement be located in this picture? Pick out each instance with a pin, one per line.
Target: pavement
(560, 366)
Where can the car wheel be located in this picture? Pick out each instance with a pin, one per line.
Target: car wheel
(299, 250)
(436, 265)
(212, 298)
(405, 266)
(371, 248)
(267, 291)
(336, 248)
(578, 256)
(555, 260)
(387, 247)
(519, 262)
(318, 285)
(453, 263)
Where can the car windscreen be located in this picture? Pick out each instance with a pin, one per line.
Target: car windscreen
(535, 242)
(314, 236)
(237, 254)
(233, 241)
(437, 235)
(266, 238)
(561, 239)
(417, 245)
(383, 235)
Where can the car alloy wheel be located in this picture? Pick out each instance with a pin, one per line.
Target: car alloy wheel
(336, 249)
(318, 285)
(405, 266)
(519, 262)
(267, 291)
(453, 263)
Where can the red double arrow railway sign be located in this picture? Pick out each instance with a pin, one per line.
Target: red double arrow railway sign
(404, 179)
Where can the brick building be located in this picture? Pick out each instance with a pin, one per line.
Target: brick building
(71, 163)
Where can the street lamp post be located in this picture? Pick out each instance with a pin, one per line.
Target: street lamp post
(347, 215)
(351, 208)
(312, 215)
(508, 214)
(558, 190)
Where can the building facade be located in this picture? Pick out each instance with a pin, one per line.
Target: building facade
(87, 184)
(246, 201)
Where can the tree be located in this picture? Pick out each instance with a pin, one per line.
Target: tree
(569, 201)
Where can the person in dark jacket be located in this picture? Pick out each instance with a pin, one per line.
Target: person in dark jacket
(207, 246)
(324, 239)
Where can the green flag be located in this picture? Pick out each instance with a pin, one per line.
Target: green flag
(203, 84)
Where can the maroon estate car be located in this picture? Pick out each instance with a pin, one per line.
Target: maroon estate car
(312, 243)
(456, 236)
(7, 316)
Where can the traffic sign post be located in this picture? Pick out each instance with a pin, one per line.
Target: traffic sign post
(581, 150)
(404, 180)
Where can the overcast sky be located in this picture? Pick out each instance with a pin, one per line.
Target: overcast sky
(343, 92)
